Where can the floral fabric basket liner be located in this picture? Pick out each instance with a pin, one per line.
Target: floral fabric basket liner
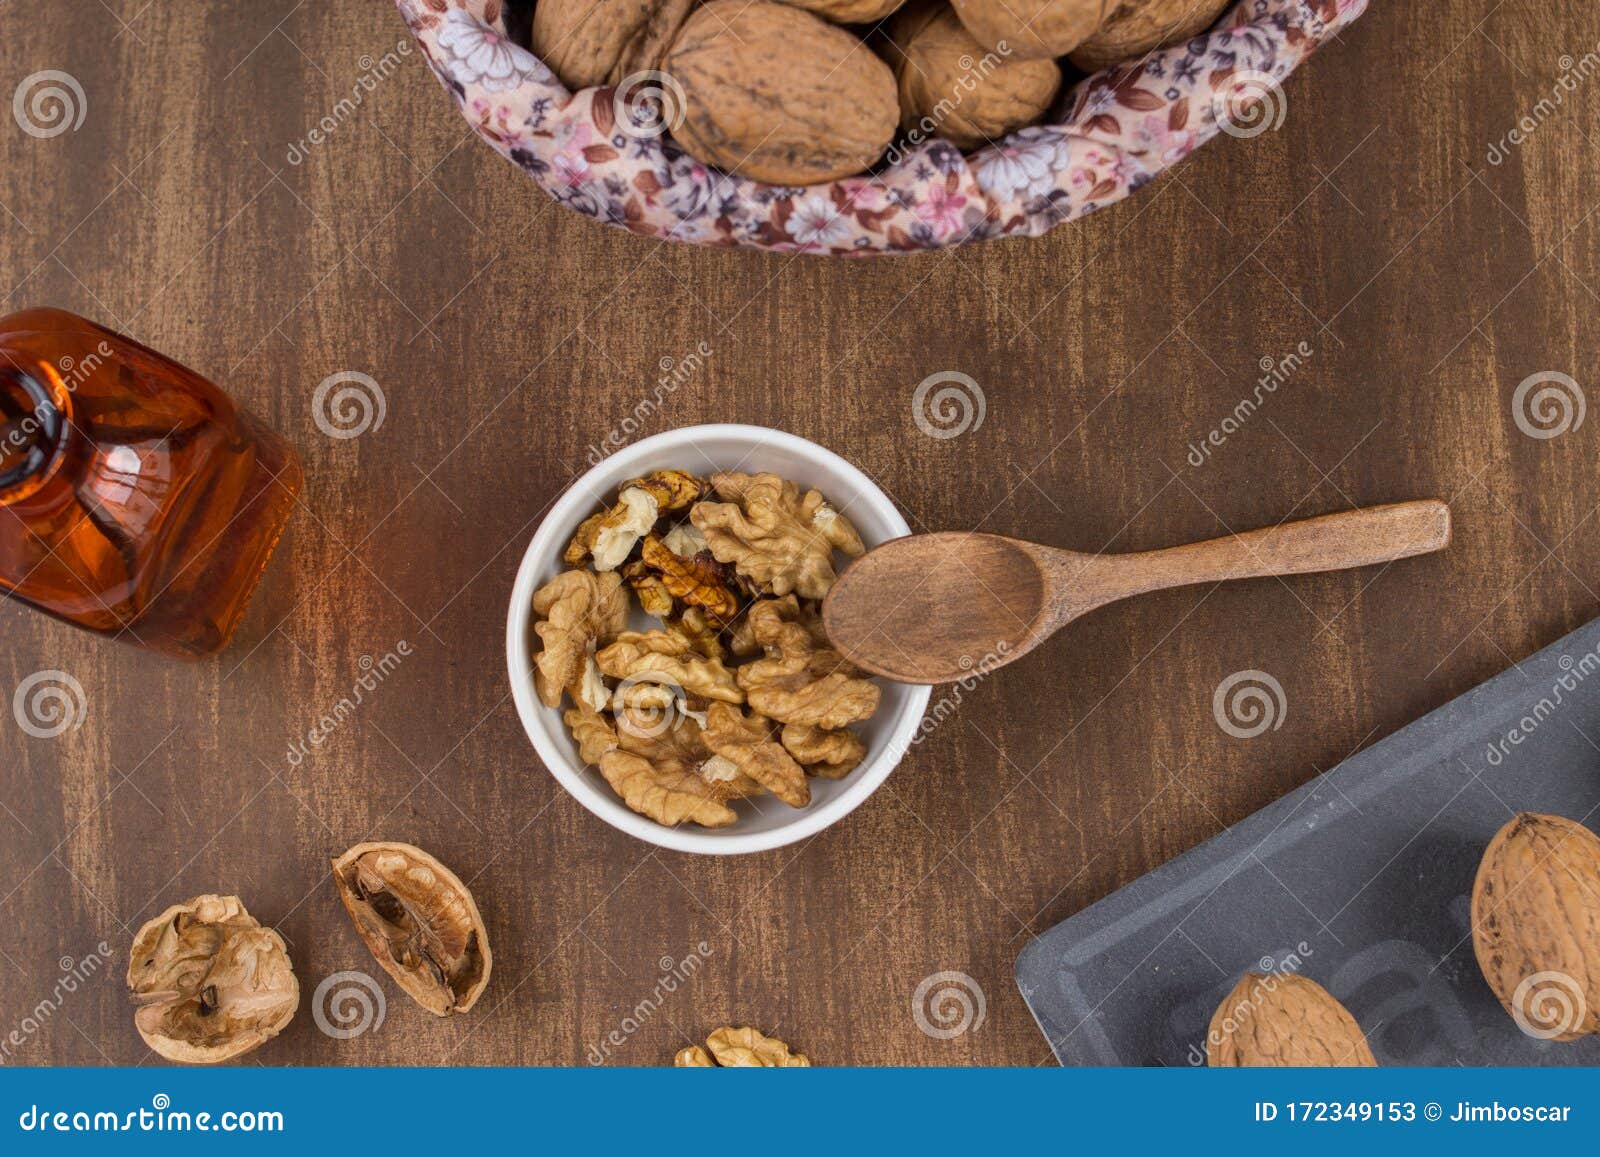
(1121, 128)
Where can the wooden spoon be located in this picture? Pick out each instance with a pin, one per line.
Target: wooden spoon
(933, 608)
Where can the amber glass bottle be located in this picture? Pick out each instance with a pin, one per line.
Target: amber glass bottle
(135, 499)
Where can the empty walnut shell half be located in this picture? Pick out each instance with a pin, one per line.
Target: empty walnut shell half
(420, 922)
(211, 982)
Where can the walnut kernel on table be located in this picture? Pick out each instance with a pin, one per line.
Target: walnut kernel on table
(210, 982)
(740, 1048)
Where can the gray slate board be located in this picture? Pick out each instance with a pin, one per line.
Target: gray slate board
(1365, 873)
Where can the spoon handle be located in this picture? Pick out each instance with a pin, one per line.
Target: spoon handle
(1331, 542)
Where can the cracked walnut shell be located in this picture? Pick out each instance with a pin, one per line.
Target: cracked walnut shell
(211, 983)
(781, 540)
(577, 610)
(420, 922)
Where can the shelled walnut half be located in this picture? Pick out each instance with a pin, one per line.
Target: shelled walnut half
(740, 1048)
(420, 922)
(577, 611)
(211, 983)
(779, 538)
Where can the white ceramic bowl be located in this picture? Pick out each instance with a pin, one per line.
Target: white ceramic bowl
(764, 823)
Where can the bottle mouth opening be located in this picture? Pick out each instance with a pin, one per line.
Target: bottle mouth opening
(30, 426)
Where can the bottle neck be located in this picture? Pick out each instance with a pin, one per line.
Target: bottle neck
(32, 423)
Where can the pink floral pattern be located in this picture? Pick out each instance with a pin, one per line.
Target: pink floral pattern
(1120, 128)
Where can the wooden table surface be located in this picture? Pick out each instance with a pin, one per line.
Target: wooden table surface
(508, 335)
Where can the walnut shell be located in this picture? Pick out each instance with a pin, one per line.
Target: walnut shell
(1140, 26)
(420, 922)
(211, 983)
(590, 42)
(951, 88)
(774, 93)
(1032, 29)
(1536, 924)
(1284, 1020)
(849, 11)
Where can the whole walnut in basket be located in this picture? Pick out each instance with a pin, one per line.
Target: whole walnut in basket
(951, 87)
(590, 42)
(849, 11)
(1140, 26)
(774, 93)
(1032, 29)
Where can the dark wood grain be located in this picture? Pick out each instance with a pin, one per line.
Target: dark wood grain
(509, 336)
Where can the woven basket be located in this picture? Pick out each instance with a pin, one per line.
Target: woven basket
(1120, 128)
